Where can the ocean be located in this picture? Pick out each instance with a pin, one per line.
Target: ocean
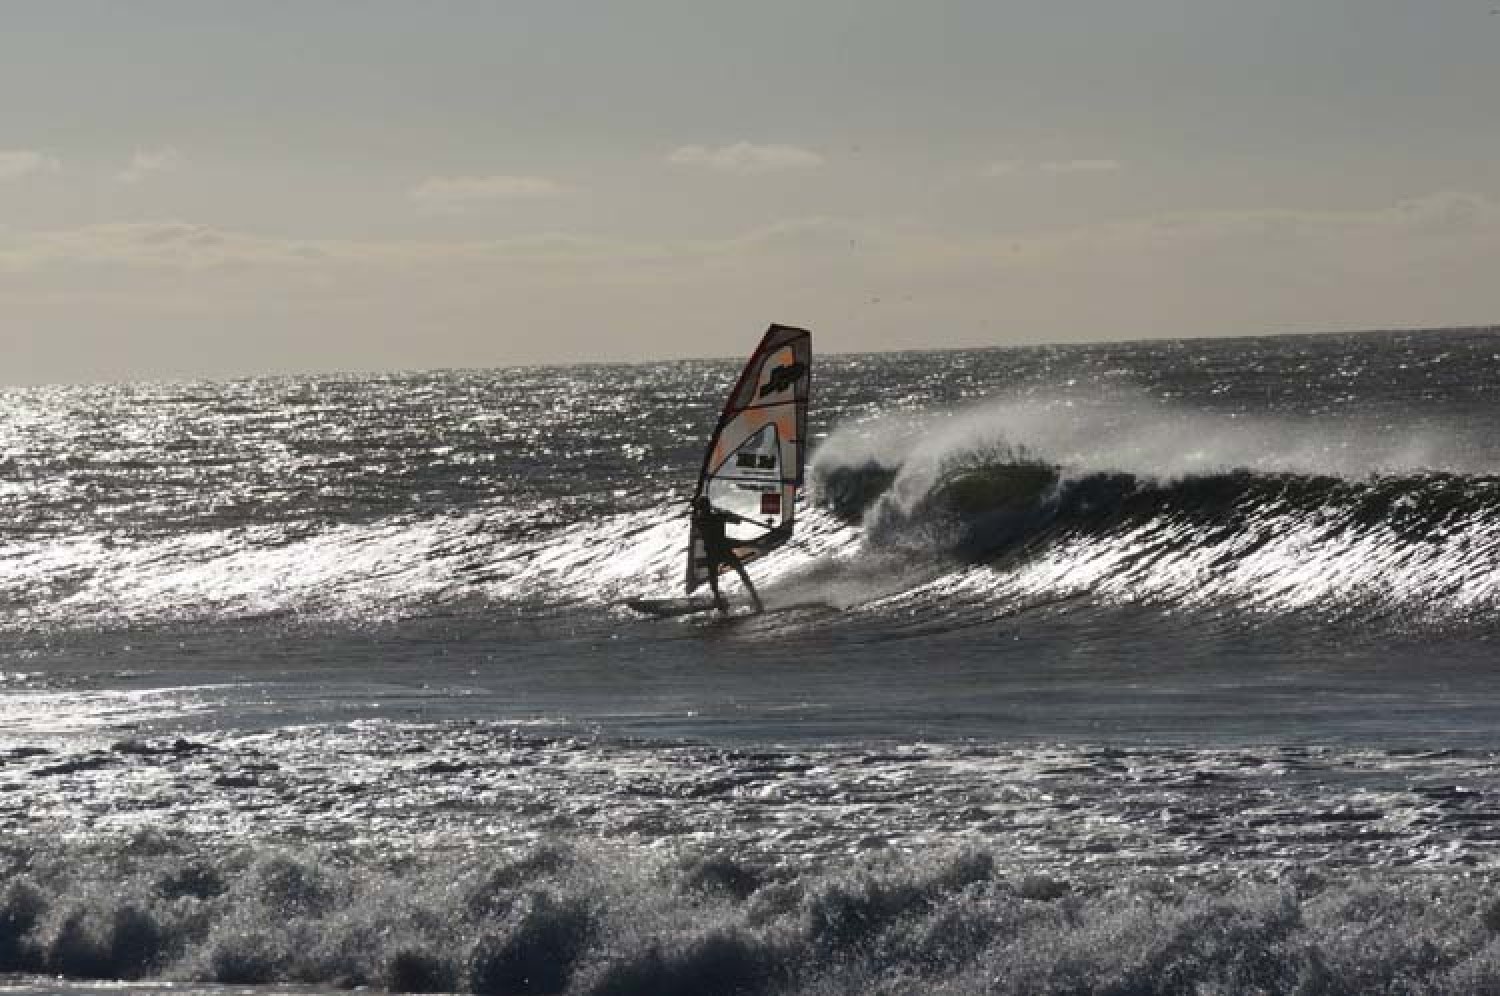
(1153, 667)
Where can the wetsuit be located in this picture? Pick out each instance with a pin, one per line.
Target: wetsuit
(718, 550)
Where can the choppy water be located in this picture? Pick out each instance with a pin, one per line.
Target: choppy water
(1117, 668)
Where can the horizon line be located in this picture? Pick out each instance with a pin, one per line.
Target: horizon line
(355, 373)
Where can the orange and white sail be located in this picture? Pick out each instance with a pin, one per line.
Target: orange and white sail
(758, 452)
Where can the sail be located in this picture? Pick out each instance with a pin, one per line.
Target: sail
(758, 451)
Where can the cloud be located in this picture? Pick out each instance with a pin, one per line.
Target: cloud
(1406, 229)
(16, 163)
(453, 192)
(1083, 166)
(1011, 167)
(158, 244)
(183, 246)
(111, 294)
(1002, 167)
(745, 158)
(147, 162)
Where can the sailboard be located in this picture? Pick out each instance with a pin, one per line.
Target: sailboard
(755, 462)
(667, 607)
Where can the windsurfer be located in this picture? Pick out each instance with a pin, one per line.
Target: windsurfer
(718, 550)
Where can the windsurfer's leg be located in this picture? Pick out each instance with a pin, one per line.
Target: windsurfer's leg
(739, 569)
(713, 584)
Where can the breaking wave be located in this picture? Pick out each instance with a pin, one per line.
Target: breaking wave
(956, 518)
(1267, 541)
(1229, 520)
(609, 921)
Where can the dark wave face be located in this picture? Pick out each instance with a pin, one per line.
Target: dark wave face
(1424, 546)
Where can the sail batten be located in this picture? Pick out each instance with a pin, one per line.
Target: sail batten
(756, 458)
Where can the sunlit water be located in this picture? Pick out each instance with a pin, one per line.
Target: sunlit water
(328, 680)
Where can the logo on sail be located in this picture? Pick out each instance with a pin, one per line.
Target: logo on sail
(782, 378)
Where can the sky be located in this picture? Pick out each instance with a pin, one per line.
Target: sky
(212, 189)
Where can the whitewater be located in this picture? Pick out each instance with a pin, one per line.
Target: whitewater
(1120, 668)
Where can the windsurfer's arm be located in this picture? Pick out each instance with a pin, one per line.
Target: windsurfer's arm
(727, 518)
(751, 522)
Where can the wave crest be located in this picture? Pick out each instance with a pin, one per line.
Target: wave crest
(1271, 535)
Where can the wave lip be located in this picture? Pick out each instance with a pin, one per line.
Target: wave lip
(1413, 547)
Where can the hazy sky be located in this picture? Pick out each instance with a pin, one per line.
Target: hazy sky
(205, 188)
